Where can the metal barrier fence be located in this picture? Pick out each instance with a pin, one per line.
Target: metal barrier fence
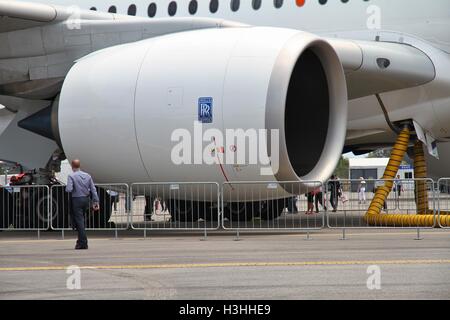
(273, 206)
(349, 202)
(24, 208)
(241, 206)
(184, 206)
(113, 213)
(443, 199)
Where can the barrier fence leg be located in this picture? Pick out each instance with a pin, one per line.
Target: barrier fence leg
(39, 234)
(205, 236)
(237, 236)
(115, 234)
(308, 236)
(343, 229)
(343, 234)
(62, 234)
(418, 235)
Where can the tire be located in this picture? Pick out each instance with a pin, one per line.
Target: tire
(43, 202)
(5, 209)
(272, 209)
(60, 213)
(192, 211)
(208, 211)
(183, 211)
(241, 211)
(31, 205)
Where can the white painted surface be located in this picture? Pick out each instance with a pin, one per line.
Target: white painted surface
(135, 96)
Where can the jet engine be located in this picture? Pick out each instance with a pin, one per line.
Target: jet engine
(160, 110)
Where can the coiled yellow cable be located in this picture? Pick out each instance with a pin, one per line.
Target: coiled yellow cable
(374, 217)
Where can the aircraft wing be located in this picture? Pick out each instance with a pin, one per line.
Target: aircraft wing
(39, 44)
(22, 15)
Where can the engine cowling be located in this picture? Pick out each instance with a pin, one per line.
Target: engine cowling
(119, 107)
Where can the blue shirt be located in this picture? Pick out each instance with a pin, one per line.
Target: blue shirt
(80, 184)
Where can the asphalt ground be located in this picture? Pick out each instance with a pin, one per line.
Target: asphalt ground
(370, 264)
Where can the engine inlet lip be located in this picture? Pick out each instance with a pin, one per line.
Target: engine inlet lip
(277, 96)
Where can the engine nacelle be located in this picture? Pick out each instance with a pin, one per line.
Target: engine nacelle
(121, 108)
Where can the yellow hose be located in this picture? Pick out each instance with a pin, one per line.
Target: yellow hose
(374, 217)
(420, 172)
(421, 189)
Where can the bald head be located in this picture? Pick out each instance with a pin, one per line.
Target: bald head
(76, 165)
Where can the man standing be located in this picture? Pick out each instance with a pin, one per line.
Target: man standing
(398, 186)
(81, 187)
(335, 187)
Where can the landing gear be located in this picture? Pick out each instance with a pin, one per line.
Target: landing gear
(192, 211)
(272, 209)
(30, 208)
(181, 210)
(247, 211)
(242, 211)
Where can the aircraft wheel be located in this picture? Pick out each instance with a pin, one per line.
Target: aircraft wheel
(208, 211)
(183, 211)
(272, 209)
(47, 211)
(241, 211)
(5, 208)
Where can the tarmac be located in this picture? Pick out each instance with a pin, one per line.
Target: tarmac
(370, 264)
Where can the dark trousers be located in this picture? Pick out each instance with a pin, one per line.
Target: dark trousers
(292, 205)
(399, 191)
(319, 199)
(334, 200)
(79, 208)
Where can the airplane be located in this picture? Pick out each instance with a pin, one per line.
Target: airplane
(110, 81)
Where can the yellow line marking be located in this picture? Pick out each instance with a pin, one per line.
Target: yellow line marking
(235, 264)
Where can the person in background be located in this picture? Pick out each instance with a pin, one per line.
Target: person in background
(128, 200)
(335, 191)
(158, 204)
(398, 188)
(114, 198)
(81, 188)
(318, 198)
(362, 191)
(292, 205)
(310, 197)
(148, 210)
